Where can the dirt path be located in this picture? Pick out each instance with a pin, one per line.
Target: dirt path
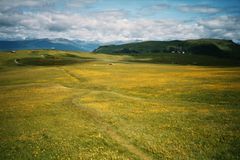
(123, 142)
(105, 126)
(122, 95)
(96, 115)
(70, 74)
(110, 92)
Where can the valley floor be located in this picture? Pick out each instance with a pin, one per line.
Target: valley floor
(100, 106)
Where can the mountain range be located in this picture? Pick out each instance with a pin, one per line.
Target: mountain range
(58, 44)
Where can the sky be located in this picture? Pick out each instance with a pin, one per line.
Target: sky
(119, 20)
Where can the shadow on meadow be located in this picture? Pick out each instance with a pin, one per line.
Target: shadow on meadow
(50, 60)
(197, 60)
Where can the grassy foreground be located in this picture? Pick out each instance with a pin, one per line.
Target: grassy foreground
(70, 105)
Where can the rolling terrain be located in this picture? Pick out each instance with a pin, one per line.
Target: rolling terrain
(76, 105)
(197, 52)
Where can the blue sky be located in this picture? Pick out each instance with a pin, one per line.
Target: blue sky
(120, 20)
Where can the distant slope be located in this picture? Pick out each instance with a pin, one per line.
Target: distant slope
(208, 52)
(210, 47)
(58, 44)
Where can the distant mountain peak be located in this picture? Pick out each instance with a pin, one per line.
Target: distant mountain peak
(48, 43)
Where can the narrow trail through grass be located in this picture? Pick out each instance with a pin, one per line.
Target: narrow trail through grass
(96, 115)
(110, 130)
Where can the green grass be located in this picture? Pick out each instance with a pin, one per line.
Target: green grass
(130, 109)
(198, 60)
(203, 52)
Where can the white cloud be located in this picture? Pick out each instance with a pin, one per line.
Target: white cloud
(199, 9)
(79, 3)
(227, 27)
(9, 5)
(113, 25)
(160, 7)
(17, 20)
(153, 9)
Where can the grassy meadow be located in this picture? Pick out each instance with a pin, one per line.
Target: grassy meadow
(72, 105)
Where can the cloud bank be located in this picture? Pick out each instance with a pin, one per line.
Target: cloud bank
(112, 24)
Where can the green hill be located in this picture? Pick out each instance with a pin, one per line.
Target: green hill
(211, 47)
(202, 51)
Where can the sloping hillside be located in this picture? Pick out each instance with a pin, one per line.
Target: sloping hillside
(210, 47)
